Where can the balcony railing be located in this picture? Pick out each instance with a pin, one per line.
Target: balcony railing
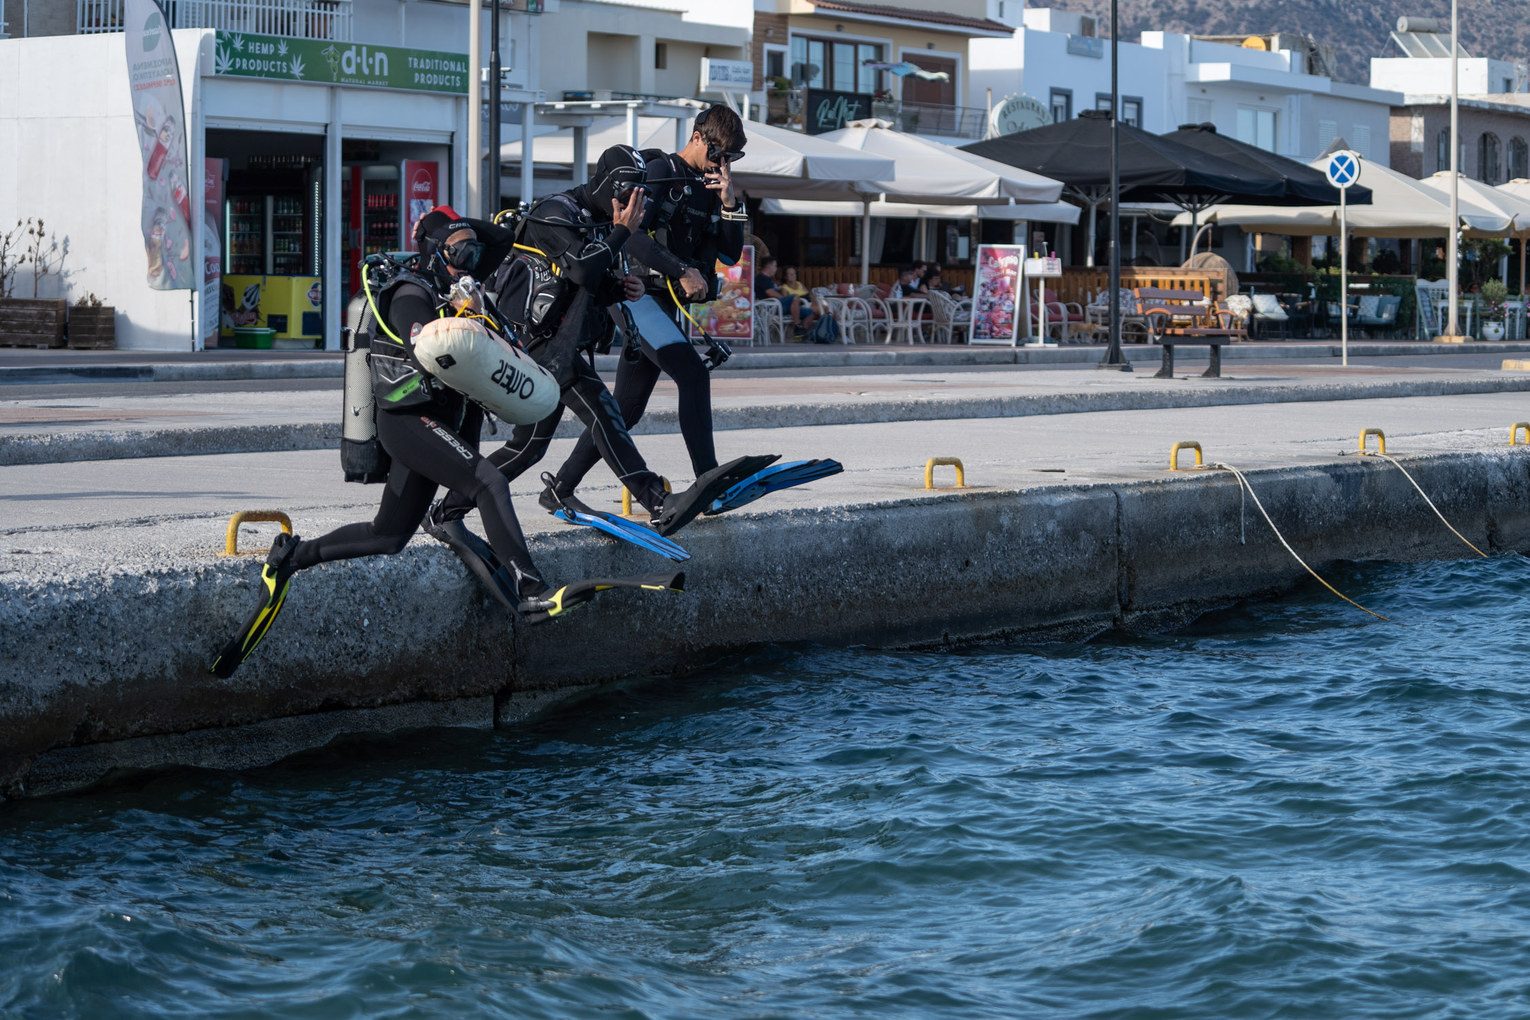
(785, 109)
(301, 19)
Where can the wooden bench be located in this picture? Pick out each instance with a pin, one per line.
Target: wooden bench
(1177, 318)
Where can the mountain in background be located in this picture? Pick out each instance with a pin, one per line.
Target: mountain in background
(1355, 30)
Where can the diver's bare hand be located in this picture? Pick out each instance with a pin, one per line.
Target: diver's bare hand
(693, 284)
(628, 215)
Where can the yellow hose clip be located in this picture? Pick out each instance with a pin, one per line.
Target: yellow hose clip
(231, 537)
(1514, 433)
(626, 502)
(1186, 444)
(1381, 440)
(935, 462)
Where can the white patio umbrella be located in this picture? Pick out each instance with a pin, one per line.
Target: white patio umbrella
(776, 161)
(1400, 207)
(929, 173)
(1519, 189)
(1039, 212)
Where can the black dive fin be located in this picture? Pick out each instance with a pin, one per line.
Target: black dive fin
(477, 556)
(774, 479)
(680, 508)
(577, 593)
(275, 577)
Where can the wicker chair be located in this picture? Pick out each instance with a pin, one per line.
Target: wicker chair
(768, 322)
(950, 316)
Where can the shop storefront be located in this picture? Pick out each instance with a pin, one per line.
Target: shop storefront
(313, 154)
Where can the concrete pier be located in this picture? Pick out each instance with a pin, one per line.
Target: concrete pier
(113, 595)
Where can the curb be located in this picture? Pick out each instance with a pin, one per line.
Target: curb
(73, 447)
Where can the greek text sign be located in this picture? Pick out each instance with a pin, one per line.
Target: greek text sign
(321, 62)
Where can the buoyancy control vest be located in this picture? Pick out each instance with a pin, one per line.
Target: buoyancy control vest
(529, 287)
(686, 214)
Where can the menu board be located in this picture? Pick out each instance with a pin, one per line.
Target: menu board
(731, 316)
(996, 294)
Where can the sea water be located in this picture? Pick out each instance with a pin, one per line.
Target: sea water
(1285, 810)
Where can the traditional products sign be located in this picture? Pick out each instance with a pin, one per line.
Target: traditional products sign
(155, 79)
(322, 62)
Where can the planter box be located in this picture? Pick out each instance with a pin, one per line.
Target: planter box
(92, 328)
(32, 323)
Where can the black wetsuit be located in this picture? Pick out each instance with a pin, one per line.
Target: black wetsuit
(432, 442)
(686, 228)
(585, 254)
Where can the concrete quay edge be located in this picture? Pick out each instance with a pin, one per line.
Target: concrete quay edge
(97, 674)
(126, 444)
(833, 356)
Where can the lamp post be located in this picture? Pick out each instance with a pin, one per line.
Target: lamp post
(1452, 241)
(496, 105)
(1114, 358)
(475, 110)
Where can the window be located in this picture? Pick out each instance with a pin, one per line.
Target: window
(1488, 167)
(775, 64)
(1363, 138)
(1102, 101)
(1199, 111)
(1508, 84)
(840, 64)
(1257, 127)
(1328, 133)
(1519, 158)
(1062, 105)
(660, 56)
(1442, 149)
(1131, 111)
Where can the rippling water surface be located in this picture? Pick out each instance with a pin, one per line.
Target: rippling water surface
(1287, 810)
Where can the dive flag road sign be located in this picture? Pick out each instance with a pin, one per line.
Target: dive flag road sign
(1343, 169)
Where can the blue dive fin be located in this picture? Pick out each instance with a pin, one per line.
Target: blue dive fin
(774, 479)
(639, 535)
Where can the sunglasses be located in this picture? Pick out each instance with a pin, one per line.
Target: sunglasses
(716, 155)
(463, 255)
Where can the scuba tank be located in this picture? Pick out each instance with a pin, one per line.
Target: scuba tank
(362, 457)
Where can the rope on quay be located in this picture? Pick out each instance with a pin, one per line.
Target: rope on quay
(1294, 555)
(1381, 452)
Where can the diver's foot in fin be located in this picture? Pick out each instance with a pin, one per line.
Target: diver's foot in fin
(680, 508)
(570, 510)
(475, 554)
(774, 479)
(567, 598)
(275, 575)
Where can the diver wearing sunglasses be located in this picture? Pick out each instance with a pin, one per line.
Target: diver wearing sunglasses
(694, 221)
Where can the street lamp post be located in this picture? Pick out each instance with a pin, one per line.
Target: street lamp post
(1114, 357)
(475, 110)
(1452, 241)
(496, 107)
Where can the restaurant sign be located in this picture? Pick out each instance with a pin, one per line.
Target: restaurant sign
(830, 111)
(322, 62)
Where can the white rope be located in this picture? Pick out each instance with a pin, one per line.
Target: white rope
(1421, 492)
(1260, 506)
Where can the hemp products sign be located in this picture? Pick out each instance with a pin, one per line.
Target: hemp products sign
(321, 62)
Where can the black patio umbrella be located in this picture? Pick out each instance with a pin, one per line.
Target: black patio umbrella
(1154, 168)
(1304, 185)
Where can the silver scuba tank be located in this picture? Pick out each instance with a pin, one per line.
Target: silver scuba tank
(362, 457)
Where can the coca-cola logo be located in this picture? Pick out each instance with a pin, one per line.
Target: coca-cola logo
(422, 184)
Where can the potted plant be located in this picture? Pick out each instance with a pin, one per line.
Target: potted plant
(1494, 293)
(35, 321)
(92, 325)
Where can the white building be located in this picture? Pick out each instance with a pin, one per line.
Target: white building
(1266, 92)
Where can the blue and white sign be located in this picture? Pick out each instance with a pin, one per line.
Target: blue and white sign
(1343, 169)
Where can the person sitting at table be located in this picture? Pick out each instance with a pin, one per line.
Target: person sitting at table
(790, 284)
(907, 285)
(797, 309)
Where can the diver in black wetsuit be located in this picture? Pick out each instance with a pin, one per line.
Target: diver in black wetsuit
(555, 289)
(430, 433)
(694, 221)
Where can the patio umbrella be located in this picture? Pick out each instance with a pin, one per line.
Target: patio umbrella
(1153, 168)
(1041, 212)
(1304, 185)
(930, 173)
(776, 161)
(1519, 188)
(1400, 207)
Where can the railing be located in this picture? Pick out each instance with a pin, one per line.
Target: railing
(946, 121)
(1081, 284)
(301, 19)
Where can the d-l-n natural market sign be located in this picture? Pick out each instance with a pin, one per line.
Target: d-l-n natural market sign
(321, 62)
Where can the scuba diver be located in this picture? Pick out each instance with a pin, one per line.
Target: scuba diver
(428, 430)
(694, 221)
(554, 289)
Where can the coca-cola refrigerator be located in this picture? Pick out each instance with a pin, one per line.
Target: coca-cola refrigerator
(382, 201)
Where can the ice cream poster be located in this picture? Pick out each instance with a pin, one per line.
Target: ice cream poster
(996, 294)
(731, 316)
(159, 123)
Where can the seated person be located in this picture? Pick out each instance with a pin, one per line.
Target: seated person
(790, 285)
(796, 308)
(907, 285)
(931, 280)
